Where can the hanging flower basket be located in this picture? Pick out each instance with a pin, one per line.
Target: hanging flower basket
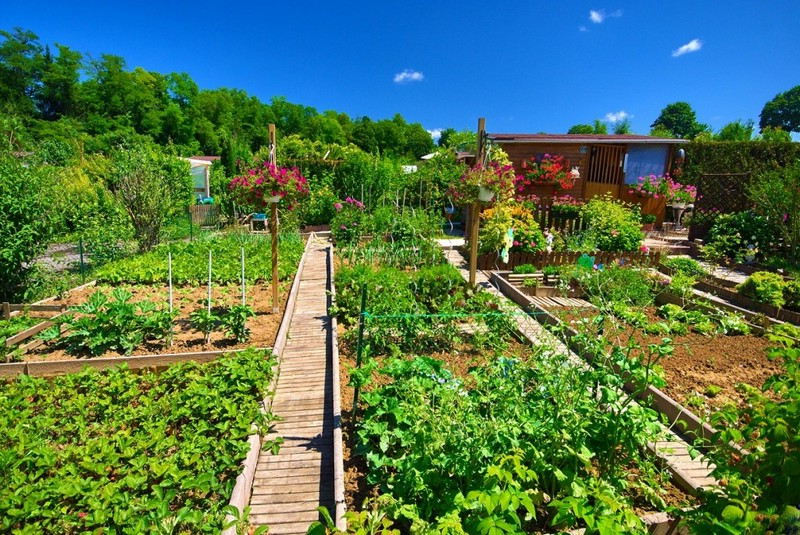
(485, 184)
(485, 194)
(269, 184)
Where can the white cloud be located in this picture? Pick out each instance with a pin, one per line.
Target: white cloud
(436, 133)
(408, 75)
(617, 116)
(583, 28)
(692, 46)
(599, 15)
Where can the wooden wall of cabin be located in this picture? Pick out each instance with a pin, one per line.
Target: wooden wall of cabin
(519, 152)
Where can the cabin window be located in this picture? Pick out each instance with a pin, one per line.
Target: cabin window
(199, 178)
(642, 160)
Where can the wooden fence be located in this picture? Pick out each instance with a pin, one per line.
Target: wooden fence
(492, 261)
(205, 215)
(720, 193)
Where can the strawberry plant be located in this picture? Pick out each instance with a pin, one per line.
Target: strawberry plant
(119, 452)
(101, 325)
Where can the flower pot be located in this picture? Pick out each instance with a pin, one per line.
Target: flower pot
(485, 194)
(647, 227)
(275, 199)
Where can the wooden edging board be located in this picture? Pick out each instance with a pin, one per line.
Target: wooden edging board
(676, 413)
(657, 524)
(338, 454)
(240, 495)
(52, 368)
(54, 297)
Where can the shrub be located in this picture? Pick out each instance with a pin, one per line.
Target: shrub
(613, 284)
(524, 269)
(776, 196)
(350, 222)
(791, 294)
(612, 225)
(24, 220)
(152, 186)
(764, 287)
(687, 266)
(739, 236)
(528, 237)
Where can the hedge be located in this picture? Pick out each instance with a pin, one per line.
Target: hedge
(755, 157)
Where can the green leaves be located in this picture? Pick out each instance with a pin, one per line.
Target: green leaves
(128, 453)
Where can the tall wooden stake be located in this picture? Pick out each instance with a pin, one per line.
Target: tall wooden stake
(244, 300)
(169, 261)
(474, 212)
(274, 226)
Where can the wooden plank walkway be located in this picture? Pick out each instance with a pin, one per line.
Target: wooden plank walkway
(691, 473)
(289, 487)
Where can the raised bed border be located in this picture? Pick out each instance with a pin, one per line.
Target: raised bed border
(338, 442)
(722, 288)
(242, 489)
(660, 401)
(491, 261)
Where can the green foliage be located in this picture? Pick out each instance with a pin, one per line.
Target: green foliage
(776, 197)
(736, 131)
(685, 265)
(764, 287)
(680, 120)
(496, 222)
(101, 325)
(151, 186)
(124, 452)
(204, 321)
(612, 225)
(499, 455)
(614, 284)
(234, 322)
(791, 294)
(740, 236)
(783, 111)
(754, 157)
(720, 322)
(190, 260)
(24, 220)
(524, 269)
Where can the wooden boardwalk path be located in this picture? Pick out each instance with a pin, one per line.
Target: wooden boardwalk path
(289, 487)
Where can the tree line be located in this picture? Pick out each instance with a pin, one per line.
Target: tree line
(59, 93)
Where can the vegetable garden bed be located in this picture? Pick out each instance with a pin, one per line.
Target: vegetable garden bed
(420, 445)
(123, 452)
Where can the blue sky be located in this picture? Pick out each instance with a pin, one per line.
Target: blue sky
(525, 66)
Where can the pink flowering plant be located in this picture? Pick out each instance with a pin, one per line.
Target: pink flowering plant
(349, 223)
(258, 185)
(678, 193)
(496, 177)
(650, 186)
(549, 169)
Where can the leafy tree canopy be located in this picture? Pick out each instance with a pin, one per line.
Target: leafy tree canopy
(680, 120)
(783, 111)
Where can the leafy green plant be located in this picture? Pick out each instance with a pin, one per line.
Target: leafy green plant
(685, 265)
(738, 237)
(524, 269)
(791, 294)
(101, 325)
(530, 283)
(205, 321)
(234, 322)
(123, 452)
(612, 225)
(764, 287)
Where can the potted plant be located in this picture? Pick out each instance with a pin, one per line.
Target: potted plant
(485, 184)
(550, 274)
(550, 169)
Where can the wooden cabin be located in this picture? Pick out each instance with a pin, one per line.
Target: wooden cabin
(607, 163)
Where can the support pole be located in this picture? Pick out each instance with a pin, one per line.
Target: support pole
(359, 347)
(169, 262)
(244, 299)
(475, 210)
(274, 225)
(191, 227)
(83, 266)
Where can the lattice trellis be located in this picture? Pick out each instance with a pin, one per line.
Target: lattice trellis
(718, 193)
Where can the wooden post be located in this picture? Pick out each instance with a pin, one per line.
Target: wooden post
(6, 311)
(274, 226)
(475, 210)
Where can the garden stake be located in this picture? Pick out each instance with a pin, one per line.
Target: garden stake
(83, 269)
(169, 263)
(359, 347)
(244, 302)
(189, 213)
(209, 282)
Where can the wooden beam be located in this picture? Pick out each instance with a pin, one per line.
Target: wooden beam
(475, 210)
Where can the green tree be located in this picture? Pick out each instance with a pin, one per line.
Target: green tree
(783, 111)
(736, 131)
(444, 137)
(599, 127)
(770, 133)
(680, 120)
(623, 127)
(581, 129)
(20, 57)
(58, 95)
(152, 186)
(24, 220)
(776, 195)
